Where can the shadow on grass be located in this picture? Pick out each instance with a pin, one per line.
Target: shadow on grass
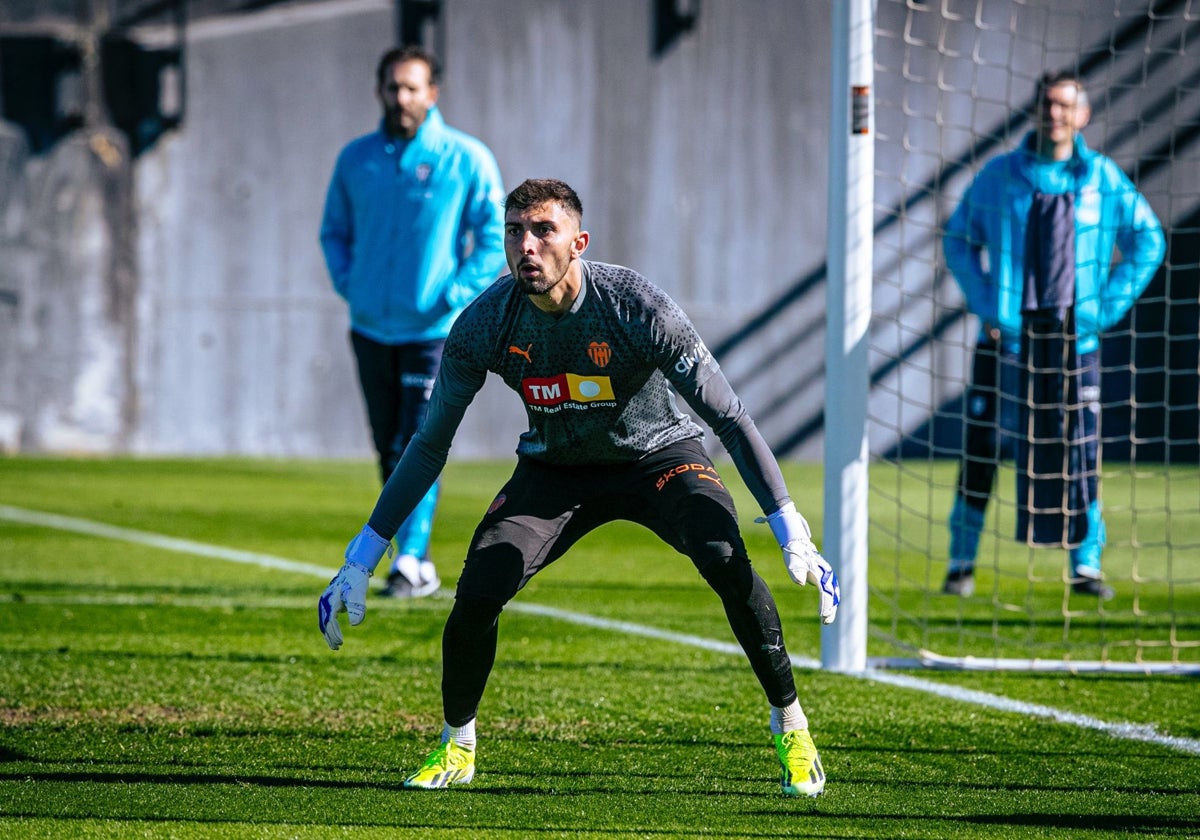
(1107, 823)
(821, 808)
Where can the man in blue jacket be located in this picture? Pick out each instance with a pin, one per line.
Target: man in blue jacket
(412, 232)
(1051, 174)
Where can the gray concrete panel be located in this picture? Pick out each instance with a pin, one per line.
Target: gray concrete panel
(208, 325)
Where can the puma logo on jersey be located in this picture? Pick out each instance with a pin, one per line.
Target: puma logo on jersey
(512, 348)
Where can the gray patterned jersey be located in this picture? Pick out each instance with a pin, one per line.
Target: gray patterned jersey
(594, 382)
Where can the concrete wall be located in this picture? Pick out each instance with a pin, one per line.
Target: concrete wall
(67, 291)
(704, 169)
(211, 326)
(244, 344)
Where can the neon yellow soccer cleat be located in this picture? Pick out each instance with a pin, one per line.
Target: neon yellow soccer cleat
(802, 773)
(448, 765)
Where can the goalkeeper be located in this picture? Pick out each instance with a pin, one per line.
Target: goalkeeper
(593, 351)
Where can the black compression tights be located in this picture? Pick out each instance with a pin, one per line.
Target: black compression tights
(468, 653)
(469, 640)
(752, 614)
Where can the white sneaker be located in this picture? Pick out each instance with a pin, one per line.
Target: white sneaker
(411, 578)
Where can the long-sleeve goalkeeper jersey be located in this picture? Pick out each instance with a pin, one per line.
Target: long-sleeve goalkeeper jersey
(596, 383)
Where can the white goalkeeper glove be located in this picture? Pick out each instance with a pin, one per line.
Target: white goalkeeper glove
(347, 592)
(804, 563)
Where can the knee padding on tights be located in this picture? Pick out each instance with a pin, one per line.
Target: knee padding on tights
(732, 578)
(473, 616)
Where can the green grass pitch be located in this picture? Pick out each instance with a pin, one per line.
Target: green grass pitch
(155, 693)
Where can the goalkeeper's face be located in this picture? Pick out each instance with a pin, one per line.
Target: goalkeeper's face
(543, 244)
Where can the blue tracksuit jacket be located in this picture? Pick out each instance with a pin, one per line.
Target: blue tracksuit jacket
(1109, 212)
(413, 230)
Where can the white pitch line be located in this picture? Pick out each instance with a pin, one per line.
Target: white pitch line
(1126, 731)
(642, 630)
(113, 532)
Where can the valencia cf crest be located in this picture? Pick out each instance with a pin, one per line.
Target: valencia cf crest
(600, 353)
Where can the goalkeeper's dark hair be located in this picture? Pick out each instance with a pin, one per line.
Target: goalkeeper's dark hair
(535, 191)
(1052, 78)
(410, 52)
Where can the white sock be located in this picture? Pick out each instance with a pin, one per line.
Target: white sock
(428, 571)
(788, 718)
(408, 566)
(463, 735)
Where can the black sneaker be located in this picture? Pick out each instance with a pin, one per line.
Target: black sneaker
(961, 583)
(1094, 587)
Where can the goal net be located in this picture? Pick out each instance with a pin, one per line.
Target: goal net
(954, 86)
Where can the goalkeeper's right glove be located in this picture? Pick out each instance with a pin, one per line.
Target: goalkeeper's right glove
(347, 592)
(804, 563)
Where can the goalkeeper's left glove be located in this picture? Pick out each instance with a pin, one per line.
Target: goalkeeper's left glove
(804, 563)
(347, 592)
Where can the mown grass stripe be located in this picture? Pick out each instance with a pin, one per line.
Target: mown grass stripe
(1124, 731)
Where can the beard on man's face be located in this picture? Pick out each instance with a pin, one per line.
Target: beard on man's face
(535, 285)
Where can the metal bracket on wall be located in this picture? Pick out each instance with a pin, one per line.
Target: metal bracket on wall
(672, 18)
(419, 22)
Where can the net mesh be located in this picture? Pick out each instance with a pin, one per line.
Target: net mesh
(955, 86)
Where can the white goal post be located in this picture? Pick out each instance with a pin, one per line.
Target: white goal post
(848, 302)
(923, 94)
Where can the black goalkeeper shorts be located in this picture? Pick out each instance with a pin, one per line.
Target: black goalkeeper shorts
(544, 509)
